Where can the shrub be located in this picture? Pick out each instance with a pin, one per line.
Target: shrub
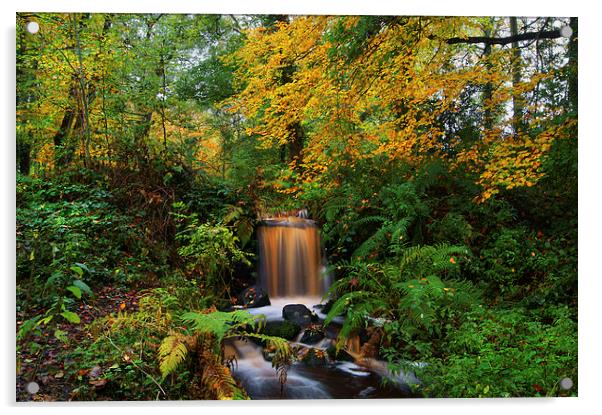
(505, 353)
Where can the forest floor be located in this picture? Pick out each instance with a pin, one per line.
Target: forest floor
(45, 364)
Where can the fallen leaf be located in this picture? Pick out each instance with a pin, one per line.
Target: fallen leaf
(59, 375)
(99, 383)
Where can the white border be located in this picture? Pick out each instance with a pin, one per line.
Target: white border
(590, 152)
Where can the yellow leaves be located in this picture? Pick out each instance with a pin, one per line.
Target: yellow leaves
(516, 161)
(171, 353)
(385, 100)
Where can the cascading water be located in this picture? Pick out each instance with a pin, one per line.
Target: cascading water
(291, 272)
(290, 258)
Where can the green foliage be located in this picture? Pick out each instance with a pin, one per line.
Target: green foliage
(505, 353)
(209, 329)
(220, 324)
(415, 307)
(210, 252)
(452, 228)
(67, 230)
(171, 353)
(124, 347)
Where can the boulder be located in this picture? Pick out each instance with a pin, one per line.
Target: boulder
(298, 314)
(281, 328)
(341, 355)
(253, 297)
(313, 357)
(312, 334)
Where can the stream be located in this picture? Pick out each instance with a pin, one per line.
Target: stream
(364, 378)
(291, 272)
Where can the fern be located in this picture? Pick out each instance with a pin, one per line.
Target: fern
(400, 207)
(358, 306)
(334, 207)
(221, 324)
(369, 219)
(409, 295)
(218, 379)
(392, 235)
(431, 260)
(210, 329)
(172, 352)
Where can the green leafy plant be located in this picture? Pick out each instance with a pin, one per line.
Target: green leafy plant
(208, 330)
(210, 252)
(410, 299)
(505, 353)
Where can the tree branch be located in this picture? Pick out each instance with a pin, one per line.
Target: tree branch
(548, 34)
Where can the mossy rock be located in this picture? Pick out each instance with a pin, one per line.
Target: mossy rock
(282, 328)
(314, 357)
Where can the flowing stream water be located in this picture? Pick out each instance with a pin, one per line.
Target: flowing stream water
(291, 272)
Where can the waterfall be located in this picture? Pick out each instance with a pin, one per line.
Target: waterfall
(291, 272)
(290, 258)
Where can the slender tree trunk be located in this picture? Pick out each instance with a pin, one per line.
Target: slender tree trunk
(517, 101)
(295, 145)
(61, 153)
(163, 98)
(103, 87)
(83, 94)
(573, 91)
(23, 144)
(24, 157)
(487, 94)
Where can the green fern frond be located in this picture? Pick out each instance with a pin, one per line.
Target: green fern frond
(219, 323)
(369, 219)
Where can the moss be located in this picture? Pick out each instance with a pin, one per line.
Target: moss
(285, 329)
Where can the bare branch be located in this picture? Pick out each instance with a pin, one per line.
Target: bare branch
(548, 34)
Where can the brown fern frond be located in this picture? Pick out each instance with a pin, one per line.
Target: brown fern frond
(218, 379)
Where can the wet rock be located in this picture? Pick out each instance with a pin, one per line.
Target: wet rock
(282, 328)
(341, 355)
(312, 334)
(299, 314)
(313, 357)
(253, 297)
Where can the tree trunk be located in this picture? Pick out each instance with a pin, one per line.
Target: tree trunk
(573, 66)
(517, 101)
(61, 154)
(295, 145)
(24, 157)
(23, 97)
(487, 91)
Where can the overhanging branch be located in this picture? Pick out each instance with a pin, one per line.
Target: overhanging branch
(548, 34)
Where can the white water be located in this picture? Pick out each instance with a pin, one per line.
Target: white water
(339, 380)
(274, 311)
(291, 271)
(260, 380)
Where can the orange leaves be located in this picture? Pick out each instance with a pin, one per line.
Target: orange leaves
(385, 98)
(516, 162)
(281, 70)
